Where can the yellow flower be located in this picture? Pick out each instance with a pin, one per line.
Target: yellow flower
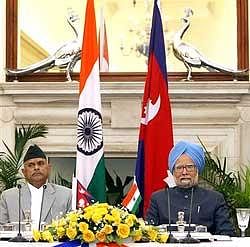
(71, 232)
(54, 223)
(162, 238)
(90, 209)
(88, 236)
(137, 235)
(109, 218)
(101, 236)
(73, 217)
(123, 230)
(100, 222)
(108, 229)
(96, 217)
(133, 217)
(72, 224)
(88, 215)
(62, 222)
(115, 212)
(129, 221)
(103, 205)
(141, 222)
(46, 235)
(36, 235)
(117, 220)
(152, 234)
(60, 231)
(101, 211)
(83, 226)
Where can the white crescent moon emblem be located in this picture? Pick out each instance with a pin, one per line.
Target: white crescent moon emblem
(151, 110)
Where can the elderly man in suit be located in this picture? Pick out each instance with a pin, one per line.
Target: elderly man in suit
(56, 198)
(186, 161)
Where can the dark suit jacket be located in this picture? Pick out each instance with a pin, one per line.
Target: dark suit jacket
(57, 200)
(209, 209)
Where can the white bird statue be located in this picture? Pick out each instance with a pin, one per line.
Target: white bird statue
(65, 57)
(191, 57)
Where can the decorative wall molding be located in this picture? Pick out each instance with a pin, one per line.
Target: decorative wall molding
(217, 112)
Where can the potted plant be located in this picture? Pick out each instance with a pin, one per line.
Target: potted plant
(115, 188)
(235, 186)
(242, 200)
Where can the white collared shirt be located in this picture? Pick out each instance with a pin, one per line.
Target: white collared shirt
(36, 200)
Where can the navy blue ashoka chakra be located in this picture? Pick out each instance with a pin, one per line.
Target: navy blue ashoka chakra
(89, 131)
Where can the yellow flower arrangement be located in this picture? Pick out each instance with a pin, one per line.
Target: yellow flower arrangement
(99, 222)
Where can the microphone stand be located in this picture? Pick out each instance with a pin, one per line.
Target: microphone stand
(188, 239)
(171, 238)
(19, 237)
(40, 217)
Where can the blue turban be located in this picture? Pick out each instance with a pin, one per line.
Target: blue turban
(194, 151)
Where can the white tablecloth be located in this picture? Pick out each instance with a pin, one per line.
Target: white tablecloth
(235, 242)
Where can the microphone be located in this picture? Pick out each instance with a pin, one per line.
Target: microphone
(40, 217)
(188, 239)
(171, 238)
(19, 237)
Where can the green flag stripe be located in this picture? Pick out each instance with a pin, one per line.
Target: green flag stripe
(97, 185)
(136, 205)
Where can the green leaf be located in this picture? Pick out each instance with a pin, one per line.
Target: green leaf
(109, 182)
(115, 188)
(58, 179)
(235, 187)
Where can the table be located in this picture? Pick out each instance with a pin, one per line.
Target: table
(235, 242)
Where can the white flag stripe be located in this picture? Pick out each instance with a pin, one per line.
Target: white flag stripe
(90, 95)
(74, 192)
(86, 167)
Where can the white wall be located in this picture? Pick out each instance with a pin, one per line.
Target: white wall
(217, 112)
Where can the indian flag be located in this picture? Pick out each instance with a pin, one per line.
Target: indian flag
(133, 198)
(90, 169)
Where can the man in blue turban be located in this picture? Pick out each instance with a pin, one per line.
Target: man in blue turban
(186, 161)
(193, 150)
(185, 158)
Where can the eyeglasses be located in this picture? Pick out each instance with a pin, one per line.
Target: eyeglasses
(188, 167)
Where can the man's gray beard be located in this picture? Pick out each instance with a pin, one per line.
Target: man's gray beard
(189, 183)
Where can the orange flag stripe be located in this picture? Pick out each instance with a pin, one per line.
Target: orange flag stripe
(130, 195)
(90, 51)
